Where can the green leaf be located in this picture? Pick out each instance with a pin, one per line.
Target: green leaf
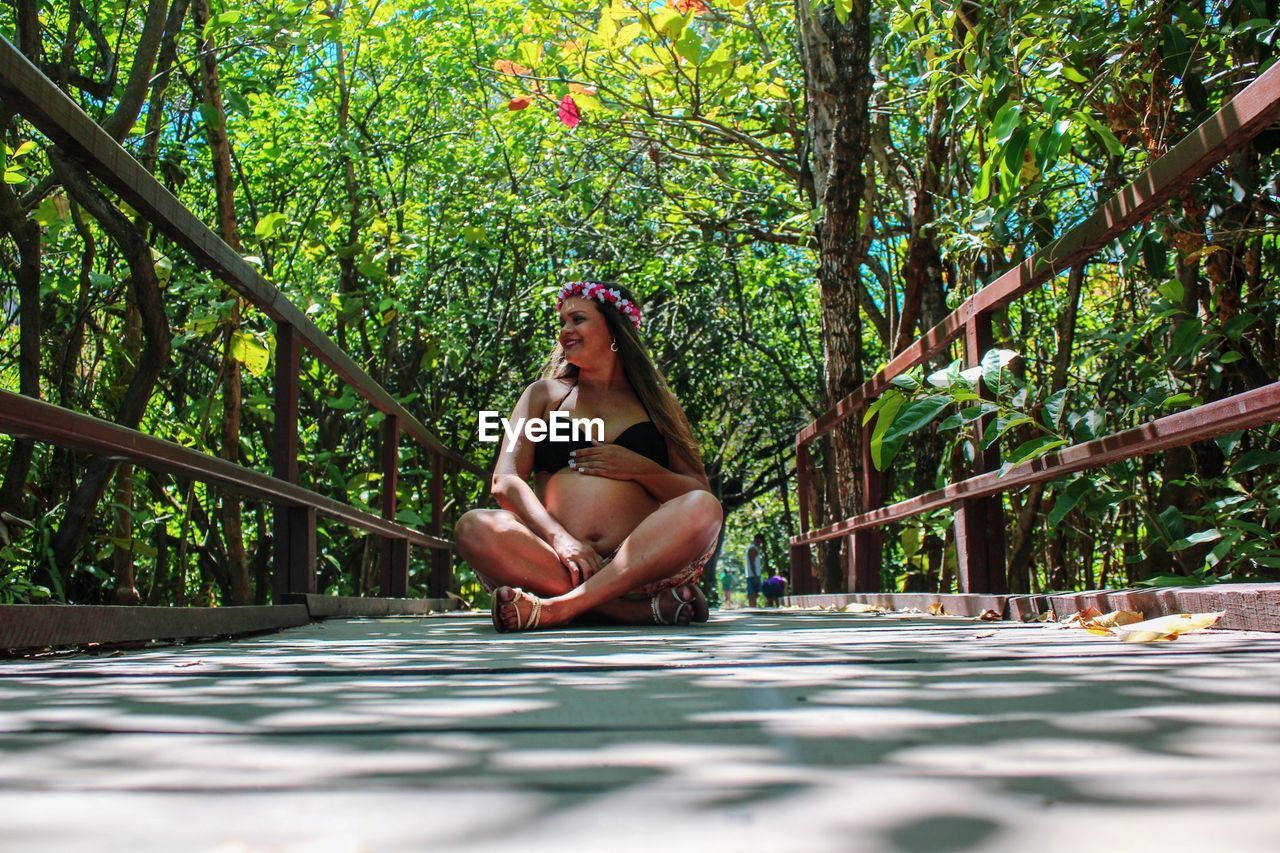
(1073, 75)
(669, 22)
(1054, 408)
(1006, 122)
(1002, 425)
(1236, 326)
(270, 225)
(885, 415)
(1171, 290)
(1175, 50)
(251, 352)
(689, 46)
(1035, 448)
(880, 402)
(993, 364)
(1179, 400)
(1186, 338)
(1108, 138)
(1255, 459)
(1068, 499)
(918, 414)
(1015, 152)
(905, 381)
(982, 188)
(1049, 148)
(1210, 535)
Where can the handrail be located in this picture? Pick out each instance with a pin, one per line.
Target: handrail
(29, 92)
(1242, 411)
(979, 527)
(1238, 121)
(55, 115)
(27, 417)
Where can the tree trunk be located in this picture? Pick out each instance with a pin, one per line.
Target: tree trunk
(837, 89)
(923, 271)
(26, 236)
(1024, 535)
(232, 402)
(146, 296)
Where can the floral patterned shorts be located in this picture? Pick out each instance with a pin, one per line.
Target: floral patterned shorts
(689, 574)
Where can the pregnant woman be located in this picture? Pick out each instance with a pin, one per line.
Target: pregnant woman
(620, 529)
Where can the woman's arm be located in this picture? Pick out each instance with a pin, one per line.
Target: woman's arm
(510, 488)
(609, 460)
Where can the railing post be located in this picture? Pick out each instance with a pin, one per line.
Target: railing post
(294, 527)
(801, 562)
(865, 545)
(980, 523)
(393, 552)
(441, 577)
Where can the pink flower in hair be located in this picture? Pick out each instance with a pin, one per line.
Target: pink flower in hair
(600, 293)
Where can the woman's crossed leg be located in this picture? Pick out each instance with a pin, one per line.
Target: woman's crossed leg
(509, 555)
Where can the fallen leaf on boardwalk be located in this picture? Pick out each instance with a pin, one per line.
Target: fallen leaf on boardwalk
(859, 607)
(989, 616)
(935, 609)
(1166, 627)
(984, 635)
(189, 663)
(1040, 617)
(1114, 619)
(1080, 617)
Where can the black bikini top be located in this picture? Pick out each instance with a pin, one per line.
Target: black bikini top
(643, 438)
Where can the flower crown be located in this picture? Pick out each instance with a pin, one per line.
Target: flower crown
(601, 293)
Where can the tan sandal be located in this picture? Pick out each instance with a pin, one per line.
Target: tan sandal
(530, 623)
(684, 603)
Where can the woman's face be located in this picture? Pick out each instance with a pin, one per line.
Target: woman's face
(584, 334)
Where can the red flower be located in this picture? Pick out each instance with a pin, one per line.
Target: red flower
(568, 112)
(698, 6)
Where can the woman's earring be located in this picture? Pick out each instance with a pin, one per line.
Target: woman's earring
(614, 346)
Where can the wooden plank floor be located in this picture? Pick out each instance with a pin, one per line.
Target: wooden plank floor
(760, 731)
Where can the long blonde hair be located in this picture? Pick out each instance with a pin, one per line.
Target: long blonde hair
(645, 378)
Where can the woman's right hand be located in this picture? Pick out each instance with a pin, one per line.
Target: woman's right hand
(579, 558)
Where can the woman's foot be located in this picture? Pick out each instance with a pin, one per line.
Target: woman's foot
(701, 610)
(517, 610)
(674, 606)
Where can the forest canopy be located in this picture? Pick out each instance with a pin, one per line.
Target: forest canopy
(421, 177)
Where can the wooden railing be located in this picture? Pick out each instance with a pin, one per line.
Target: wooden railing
(979, 527)
(37, 99)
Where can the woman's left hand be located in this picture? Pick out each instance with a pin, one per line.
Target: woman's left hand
(610, 460)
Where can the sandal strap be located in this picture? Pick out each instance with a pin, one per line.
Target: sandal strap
(534, 614)
(657, 612)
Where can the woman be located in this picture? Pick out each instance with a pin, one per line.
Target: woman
(620, 529)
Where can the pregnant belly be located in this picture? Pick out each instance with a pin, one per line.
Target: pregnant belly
(596, 510)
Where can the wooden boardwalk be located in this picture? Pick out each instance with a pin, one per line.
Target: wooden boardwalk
(760, 731)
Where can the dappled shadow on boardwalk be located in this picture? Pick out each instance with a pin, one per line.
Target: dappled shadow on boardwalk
(802, 731)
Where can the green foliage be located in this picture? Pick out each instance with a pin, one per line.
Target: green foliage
(404, 174)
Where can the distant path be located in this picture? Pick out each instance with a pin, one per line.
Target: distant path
(760, 731)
